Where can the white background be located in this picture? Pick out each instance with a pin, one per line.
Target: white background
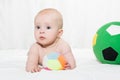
(82, 18)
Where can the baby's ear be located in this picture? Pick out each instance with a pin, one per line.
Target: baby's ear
(60, 32)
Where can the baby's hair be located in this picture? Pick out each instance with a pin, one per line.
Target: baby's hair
(56, 12)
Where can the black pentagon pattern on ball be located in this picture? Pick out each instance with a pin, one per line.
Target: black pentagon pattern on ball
(109, 54)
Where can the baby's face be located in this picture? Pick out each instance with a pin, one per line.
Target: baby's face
(46, 29)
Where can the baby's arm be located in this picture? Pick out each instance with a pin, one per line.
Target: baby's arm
(70, 60)
(33, 58)
(67, 52)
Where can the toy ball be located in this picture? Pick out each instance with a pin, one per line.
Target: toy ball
(54, 61)
(106, 43)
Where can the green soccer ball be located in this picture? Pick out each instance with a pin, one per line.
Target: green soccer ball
(106, 43)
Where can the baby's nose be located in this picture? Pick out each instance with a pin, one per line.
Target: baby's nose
(42, 31)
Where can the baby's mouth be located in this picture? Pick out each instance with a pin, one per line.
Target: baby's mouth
(42, 38)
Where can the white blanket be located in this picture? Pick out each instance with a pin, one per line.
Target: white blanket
(12, 67)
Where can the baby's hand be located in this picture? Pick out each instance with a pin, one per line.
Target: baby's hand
(33, 68)
(67, 66)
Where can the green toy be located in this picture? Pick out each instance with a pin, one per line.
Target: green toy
(106, 43)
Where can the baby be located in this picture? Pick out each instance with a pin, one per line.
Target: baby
(48, 30)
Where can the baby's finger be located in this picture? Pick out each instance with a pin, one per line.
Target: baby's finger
(38, 69)
(33, 70)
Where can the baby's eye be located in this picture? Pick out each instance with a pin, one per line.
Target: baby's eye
(48, 27)
(37, 27)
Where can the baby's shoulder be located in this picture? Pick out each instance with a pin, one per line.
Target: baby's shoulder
(64, 47)
(63, 44)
